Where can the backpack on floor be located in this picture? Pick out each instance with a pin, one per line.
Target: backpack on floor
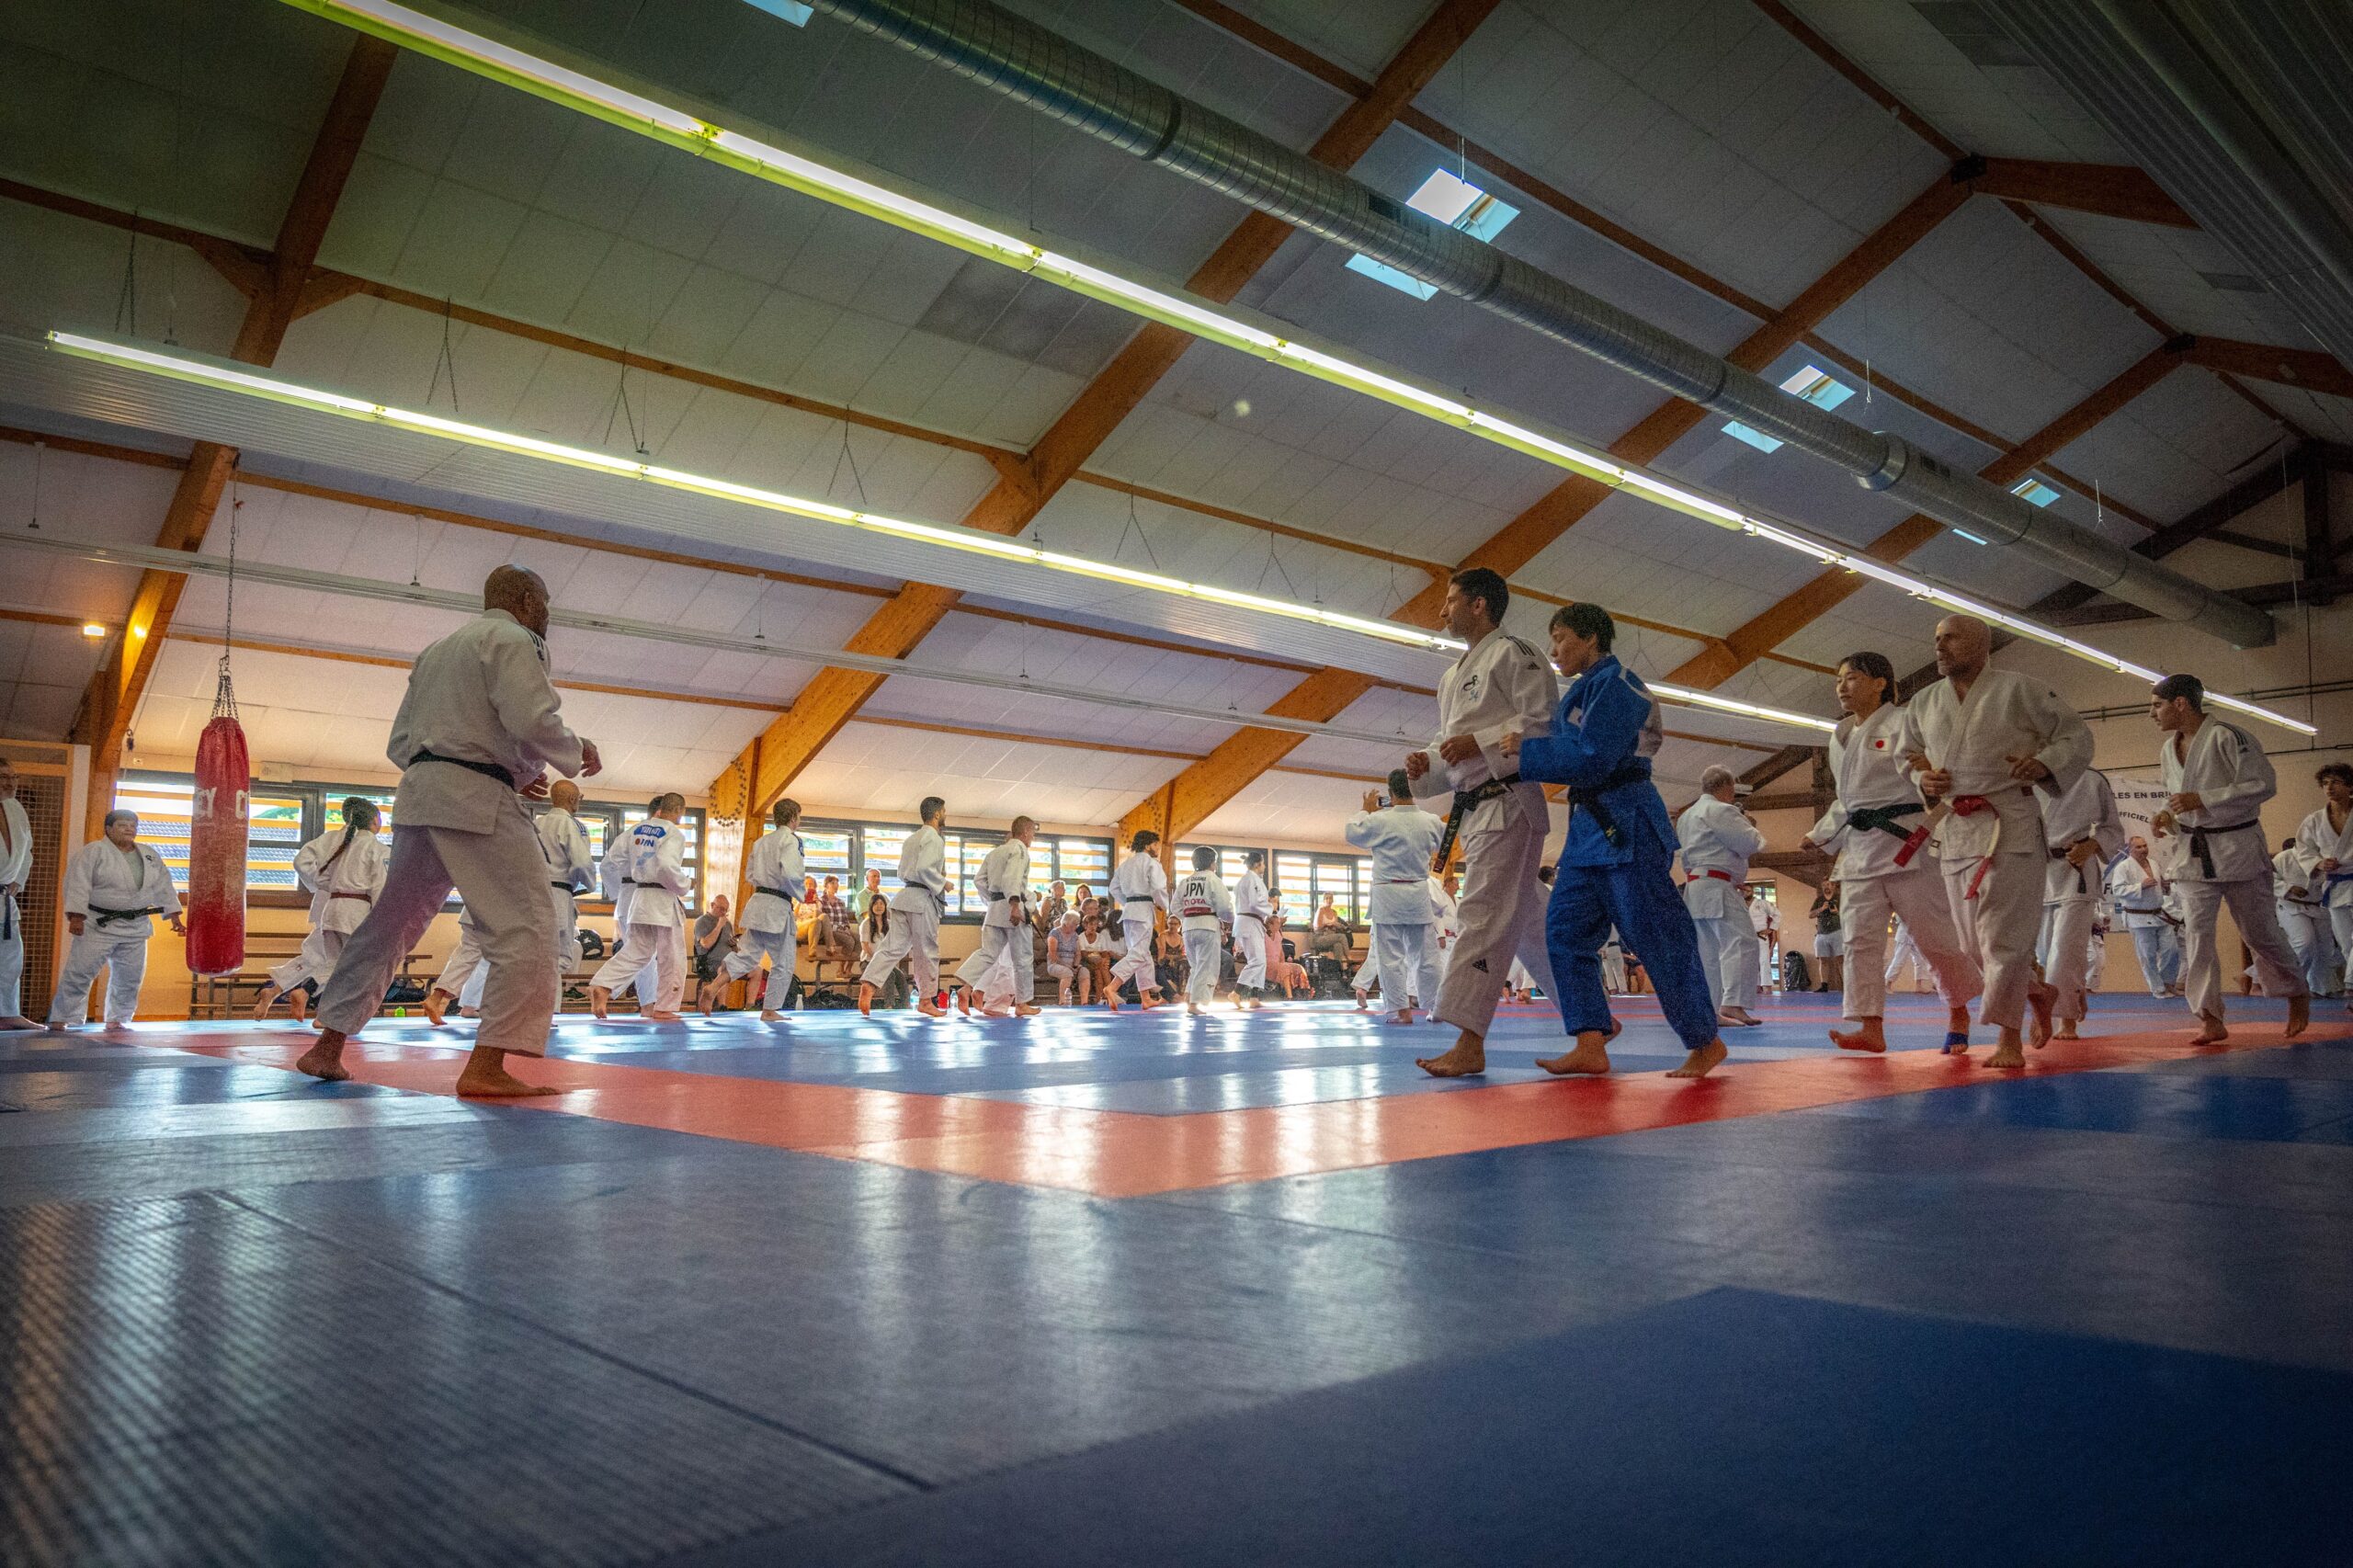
(1794, 975)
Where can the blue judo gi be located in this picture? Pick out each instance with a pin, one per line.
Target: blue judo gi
(1602, 741)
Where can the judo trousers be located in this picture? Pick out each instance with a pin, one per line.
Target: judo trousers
(12, 957)
(1642, 900)
(914, 937)
(2310, 935)
(124, 957)
(1727, 949)
(1135, 923)
(1998, 926)
(778, 947)
(644, 945)
(1250, 954)
(502, 876)
(1916, 894)
(1405, 961)
(2258, 922)
(2159, 949)
(1502, 915)
(2066, 948)
(1201, 960)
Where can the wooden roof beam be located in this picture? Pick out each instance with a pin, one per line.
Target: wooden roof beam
(114, 691)
(2307, 368)
(2108, 190)
(834, 696)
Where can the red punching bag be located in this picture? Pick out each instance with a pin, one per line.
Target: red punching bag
(216, 841)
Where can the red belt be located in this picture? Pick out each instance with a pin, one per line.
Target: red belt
(1720, 876)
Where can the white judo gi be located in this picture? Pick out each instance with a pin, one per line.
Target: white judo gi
(114, 893)
(342, 871)
(915, 915)
(1252, 906)
(1139, 887)
(15, 870)
(1500, 685)
(1717, 839)
(1401, 839)
(1204, 906)
(778, 870)
(1991, 845)
(1006, 957)
(2318, 843)
(650, 914)
(2297, 891)
(1446, 926)
(479, 698)
(571, 870)
(1877, 810)
(2141, 895)
(2224, 861)
(2084, 813)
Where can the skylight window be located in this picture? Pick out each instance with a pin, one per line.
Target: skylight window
(790, 10)
(1456, 204)
(2037, 493)
(1812, 383)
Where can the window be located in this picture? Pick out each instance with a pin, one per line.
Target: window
(284, 817)
(790, 10)
(2034, 490)
(1458, 205)
(1812, 383)
(855, 849)
(275, 828)
(1229, 863)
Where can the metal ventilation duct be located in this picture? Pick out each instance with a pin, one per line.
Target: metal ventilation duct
(1015, 57)
(2243, 112)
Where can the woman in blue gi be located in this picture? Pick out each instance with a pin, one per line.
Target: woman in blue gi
(1616, 868)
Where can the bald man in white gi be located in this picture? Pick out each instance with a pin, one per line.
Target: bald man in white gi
(1400, 837)
(1502, 685)
(2086, 837)
(480, 722)
(1716, 839)
(915, 909)
(777, 869)
(1986, 744)
(114, 885)
(15, 870)
(650, 914)
(995, 969)
(571, 870)
(2216, 779)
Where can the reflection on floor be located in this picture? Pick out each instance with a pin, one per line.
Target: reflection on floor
(1144, 1288)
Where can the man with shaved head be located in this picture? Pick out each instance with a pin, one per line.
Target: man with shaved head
(476, 731)
(571, 870)
(1991, 749)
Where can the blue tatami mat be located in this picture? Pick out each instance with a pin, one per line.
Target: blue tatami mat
(1732, 1428)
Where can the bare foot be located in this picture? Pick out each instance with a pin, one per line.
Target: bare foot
(660, 1015)
(1467, 1059)
(1740, 1015)
(268, 997)
(964, 1000)
(1402, 1016)
(600, 1003)
(2040, 999)
(1112, 1003)
(2300, 1016)
(1702, 1061)
(486, 1078)
(931, 1011)
(2065, 1029)
(1872, 1037)
(1024, 1010)
(436, 1005)
(323, 1061)
(2008, 1053)
(1590, 1057)
(2210, 1030)
(865, 1000)
(297, 1003)
(1361, 999)
(767, 1017)
(17, 1021)
(1192, 1010)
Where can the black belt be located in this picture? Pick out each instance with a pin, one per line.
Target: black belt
(1884, 819)
(1634, 770)
(2197, 837)
(775, 893)
(487, 770)
(565, 887)
(118, 916)
(1465, 801)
